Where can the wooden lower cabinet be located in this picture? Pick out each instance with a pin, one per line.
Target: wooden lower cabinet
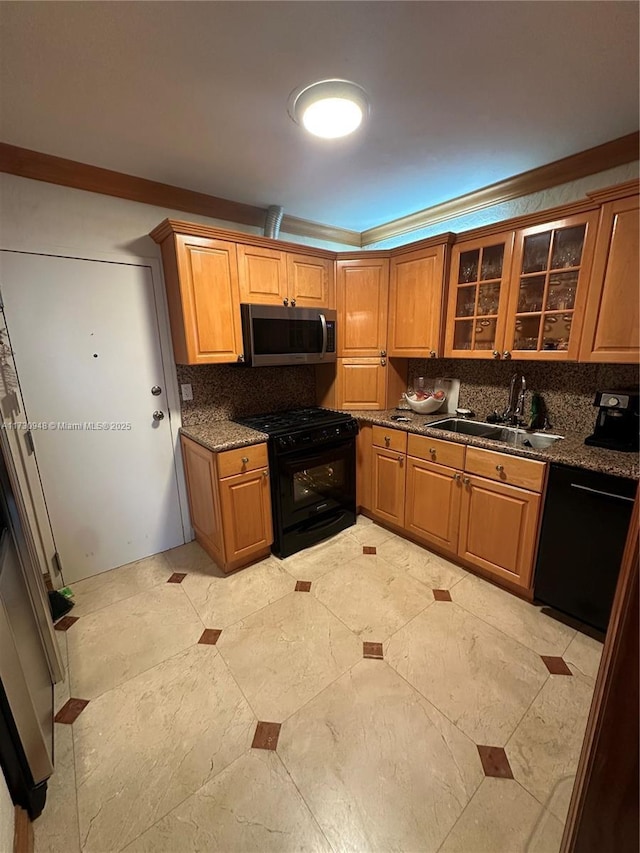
(498, 529)
(231, 516)
(432, 506)
(388, 486)
(246, 514)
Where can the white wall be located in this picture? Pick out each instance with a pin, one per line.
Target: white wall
(36, 215)
(6, 818)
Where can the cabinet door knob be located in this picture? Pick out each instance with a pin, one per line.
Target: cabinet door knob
(383, 353)
(241, 357)
(400, 460)
(245, 459)
(506, 354)
(466, 481)
(285, 301)
(432, 451)
(457, 477)
(432, 353)
(500, 468)
(383, 362)
(265, 473)
(293, 303)
(496, 353)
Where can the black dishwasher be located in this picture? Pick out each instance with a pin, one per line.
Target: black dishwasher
(584, 529)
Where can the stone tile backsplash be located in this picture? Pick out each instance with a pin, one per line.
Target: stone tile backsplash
(225, 391)
(567, 389)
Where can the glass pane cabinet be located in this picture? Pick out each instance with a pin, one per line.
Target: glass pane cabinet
(551, 266)
(478, 296)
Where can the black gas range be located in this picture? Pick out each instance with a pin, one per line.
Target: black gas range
(312, 458)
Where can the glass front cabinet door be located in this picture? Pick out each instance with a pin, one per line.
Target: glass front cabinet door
(478, 297)
(548, 289)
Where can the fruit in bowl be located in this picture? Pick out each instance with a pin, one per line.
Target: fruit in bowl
(425, 402)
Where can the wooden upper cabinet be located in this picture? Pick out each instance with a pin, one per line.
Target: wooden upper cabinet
(310, 281)
(362, 296)
(415, 303)
(611, 321)
(262, 275)
(548, 290)
(478, 297)
(204, 300)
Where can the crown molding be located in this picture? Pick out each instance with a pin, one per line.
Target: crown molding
(70, 173)
(617, 152)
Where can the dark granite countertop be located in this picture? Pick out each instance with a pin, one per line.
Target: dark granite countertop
(223, 435)
(571, 450)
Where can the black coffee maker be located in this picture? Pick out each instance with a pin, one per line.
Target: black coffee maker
(618, 422)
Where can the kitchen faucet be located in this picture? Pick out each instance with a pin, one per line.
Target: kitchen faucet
(514, 413)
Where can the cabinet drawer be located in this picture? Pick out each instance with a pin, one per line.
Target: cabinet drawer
(390, 439)
(243, 459)
(526, 473)
(435, 450)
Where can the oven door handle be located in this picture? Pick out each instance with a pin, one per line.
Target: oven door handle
(323, 323)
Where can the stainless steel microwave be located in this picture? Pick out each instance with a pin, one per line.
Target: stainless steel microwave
(273, 334)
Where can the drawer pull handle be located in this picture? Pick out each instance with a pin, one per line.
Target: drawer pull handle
(400, 460)
(387, 440)
(432, 450)
(245, 459)
(500, 468)
(466, 481)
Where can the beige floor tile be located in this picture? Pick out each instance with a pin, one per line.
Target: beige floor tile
(503, 818)
(312, 563)
(285, 654)
(517, 618)
(372, 597)
(380, 768)
(482, 680)
(251, 807)
(56, 830)
(371, 534)
(188, 558)
(118, 642)
(583, 654)
(362, 520)
(431, 569)
(144, 747)
(223, 599)
(62, 689)
(545, 748)
(108, 587)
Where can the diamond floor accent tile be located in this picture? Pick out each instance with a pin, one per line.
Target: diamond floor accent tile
(555, 665)
(70, 711)
(368, 549)
(266, 736)
(372, 650)
(441, 594)
(210, 636)
(303, 586)
(495, 762)
(65, 623)
(177, 577)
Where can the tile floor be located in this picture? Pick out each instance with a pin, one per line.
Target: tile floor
(364, 695)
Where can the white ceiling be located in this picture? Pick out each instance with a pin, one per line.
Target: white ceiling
(195, 93)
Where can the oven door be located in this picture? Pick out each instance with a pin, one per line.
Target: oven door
(274, 335)
(312, 483)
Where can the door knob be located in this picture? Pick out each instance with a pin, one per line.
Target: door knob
(241, 357)
(500, 468)
(506, 354)
(466, 481)
(265, 473)
(293, 303)
(400, 460)
(432, 353)
(285, 301)
(496, 353)
(383, 362)
(457, 477)
(158, 415)
(383, 353)
(245, 459)
(156, 390)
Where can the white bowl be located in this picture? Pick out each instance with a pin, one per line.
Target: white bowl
(424, 407)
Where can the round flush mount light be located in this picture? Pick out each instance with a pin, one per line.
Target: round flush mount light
(329, 108)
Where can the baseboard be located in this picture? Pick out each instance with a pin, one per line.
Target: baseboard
(22, 832)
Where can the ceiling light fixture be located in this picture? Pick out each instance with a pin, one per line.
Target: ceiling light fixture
(329, 108)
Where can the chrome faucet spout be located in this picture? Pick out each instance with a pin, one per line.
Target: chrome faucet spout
(514, 413)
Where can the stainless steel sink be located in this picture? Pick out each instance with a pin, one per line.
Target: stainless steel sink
(512, 436)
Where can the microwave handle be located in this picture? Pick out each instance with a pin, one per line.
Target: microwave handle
(323, 321)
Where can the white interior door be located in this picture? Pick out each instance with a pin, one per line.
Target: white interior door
(86, 345)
